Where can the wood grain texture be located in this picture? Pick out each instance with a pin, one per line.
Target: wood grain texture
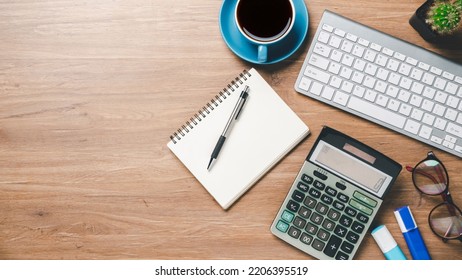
(90, 92)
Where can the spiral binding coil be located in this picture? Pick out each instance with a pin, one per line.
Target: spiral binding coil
(210, 106)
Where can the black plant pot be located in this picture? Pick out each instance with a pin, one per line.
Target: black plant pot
(417, 21)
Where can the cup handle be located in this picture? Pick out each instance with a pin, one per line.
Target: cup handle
(262, 53)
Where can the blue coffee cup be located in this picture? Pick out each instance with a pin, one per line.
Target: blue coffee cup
(264, 23)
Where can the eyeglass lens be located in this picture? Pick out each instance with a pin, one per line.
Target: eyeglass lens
(430, 177)
(446, 221)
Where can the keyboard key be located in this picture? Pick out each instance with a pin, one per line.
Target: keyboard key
(425, 132)
(319, 61)
(316, 88)
(323, 37)
(317, 74)
(376, 112)
(322, 49)
(335, 42)
(412, 126)
(341, 98)
(454, 129)
(347, 46)
(351, 37)
(327, 27)
(328, 93)
(304, 83)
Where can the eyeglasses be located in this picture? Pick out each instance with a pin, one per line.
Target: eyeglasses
(431, 178)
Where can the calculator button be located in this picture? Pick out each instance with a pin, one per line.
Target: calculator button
(328, 224)
(320, 175)
(302, 187)
(287, 216)
(323, 235)
(316, 218)
(294, 232)
(292, 206)
(318, 244)
(350, 211)
(347, 247)
(310, 228)
(362, 218)
(304, 212)
(343, 197)
(299, 222)
(319, 185)
(298, 196)
(307, 179)
(338, 205)
(310, 202)
(314, 193)
(305, 238)
(352, 237)
(345, 221)
(281, 226)
(340, 231)
(342, 256)
(340, 186)
(331, 191)
(321, 208)
(327, 199)
(355, 204)
(334, 215)
(332, 246)
(357, 227)
(365, 199)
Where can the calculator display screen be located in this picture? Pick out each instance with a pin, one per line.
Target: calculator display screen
(346, 166)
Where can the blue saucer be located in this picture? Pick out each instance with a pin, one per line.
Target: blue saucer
(248, 51)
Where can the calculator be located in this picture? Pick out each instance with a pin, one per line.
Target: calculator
(335, 197)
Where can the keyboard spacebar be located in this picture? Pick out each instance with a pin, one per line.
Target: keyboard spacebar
(376, 112)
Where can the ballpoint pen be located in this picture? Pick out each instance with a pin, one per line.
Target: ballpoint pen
(234, 115)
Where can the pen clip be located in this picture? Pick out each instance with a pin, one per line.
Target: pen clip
(244, 96)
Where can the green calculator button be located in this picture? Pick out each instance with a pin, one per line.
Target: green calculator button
(355, 204)
(365, 199)
(281, 226)
(287, 216)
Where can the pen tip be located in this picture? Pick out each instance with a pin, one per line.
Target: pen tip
(210, 162)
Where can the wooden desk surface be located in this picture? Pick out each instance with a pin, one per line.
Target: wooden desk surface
(90, 92)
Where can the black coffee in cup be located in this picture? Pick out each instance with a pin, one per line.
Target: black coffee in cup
(264, 20)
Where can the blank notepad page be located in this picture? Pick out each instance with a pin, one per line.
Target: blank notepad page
(266, 130)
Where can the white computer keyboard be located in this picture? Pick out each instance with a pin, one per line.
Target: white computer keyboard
(385, 80)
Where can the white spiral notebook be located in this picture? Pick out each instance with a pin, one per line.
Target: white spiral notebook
(266, 130)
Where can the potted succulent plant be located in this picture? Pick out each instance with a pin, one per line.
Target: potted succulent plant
(439, 20)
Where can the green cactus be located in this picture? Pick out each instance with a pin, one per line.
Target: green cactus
(445, 17)
(458, 4)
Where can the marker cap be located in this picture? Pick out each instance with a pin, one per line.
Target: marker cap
(387, 243)
(405, 219)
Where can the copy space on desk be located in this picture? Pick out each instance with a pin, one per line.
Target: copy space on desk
(266, 131)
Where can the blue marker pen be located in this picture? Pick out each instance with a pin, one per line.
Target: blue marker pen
(387, 243)
(411, 234)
